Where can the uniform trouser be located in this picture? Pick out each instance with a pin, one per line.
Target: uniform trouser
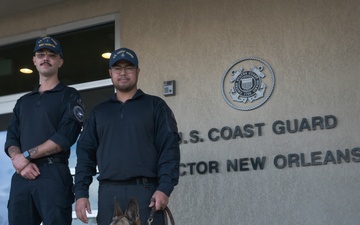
(124, 193)
(46, 199)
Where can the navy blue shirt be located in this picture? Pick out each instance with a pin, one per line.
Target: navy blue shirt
(56, 115)
(138, 138)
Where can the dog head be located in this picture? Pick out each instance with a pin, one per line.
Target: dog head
(131, 215)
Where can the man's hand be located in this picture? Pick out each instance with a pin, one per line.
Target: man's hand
(31, 171)
(19, 162)
(160, 200)
(82, 206)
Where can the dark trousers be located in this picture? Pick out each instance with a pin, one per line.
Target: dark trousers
(123, 193)
(46, 199)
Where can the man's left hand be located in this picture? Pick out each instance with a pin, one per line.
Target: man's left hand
(160, 200)
(19, 162)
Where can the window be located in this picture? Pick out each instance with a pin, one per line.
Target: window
(82, 51)
(83, 44)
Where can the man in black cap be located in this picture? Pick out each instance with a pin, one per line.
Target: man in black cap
(133, 139)
(45, 124)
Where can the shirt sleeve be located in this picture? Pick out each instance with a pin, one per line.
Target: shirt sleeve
(167, 142)
(86, 159)
(13, 131)
(72, 116)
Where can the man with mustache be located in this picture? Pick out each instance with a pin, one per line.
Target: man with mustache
(45, 124)
(133, 139)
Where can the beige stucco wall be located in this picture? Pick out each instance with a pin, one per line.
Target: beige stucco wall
(314, 50)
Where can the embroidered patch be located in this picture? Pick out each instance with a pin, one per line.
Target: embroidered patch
(79, 113)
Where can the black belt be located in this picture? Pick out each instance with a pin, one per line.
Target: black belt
(50, 160)
(135, 181)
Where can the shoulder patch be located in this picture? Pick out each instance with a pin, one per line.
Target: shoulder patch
(78, 113)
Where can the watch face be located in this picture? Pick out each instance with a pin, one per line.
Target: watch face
(26, 154)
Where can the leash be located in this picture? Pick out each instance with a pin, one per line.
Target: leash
(167, 213)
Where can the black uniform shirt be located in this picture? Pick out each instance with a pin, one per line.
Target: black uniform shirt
(56, 114)
(127, 140)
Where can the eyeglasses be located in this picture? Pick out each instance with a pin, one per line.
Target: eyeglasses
(119, 69)
(41, 55)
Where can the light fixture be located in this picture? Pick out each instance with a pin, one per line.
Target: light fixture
(106, 55)
(26, 70)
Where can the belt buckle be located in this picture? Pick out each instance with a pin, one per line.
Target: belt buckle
(50, 160)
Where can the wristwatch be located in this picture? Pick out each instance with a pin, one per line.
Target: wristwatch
(27, 155)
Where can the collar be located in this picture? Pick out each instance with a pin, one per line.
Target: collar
(58, 87)
(138, 94)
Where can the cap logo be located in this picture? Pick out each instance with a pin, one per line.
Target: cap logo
(130, 54)
(123, 54)
(47, 44)
(47, 39)
(54, 41)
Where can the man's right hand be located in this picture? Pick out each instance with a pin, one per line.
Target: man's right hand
(31, 171)
(82, 206)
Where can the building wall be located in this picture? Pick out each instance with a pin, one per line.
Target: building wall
(313, 48)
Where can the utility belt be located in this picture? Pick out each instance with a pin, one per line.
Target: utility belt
(145, 181)
(51, 160)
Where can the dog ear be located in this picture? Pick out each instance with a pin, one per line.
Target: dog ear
(132, 211)
(117, 210)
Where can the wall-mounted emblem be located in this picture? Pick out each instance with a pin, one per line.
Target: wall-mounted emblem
(248, 83)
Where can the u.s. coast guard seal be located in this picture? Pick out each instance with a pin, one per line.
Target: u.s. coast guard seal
(248, 83)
